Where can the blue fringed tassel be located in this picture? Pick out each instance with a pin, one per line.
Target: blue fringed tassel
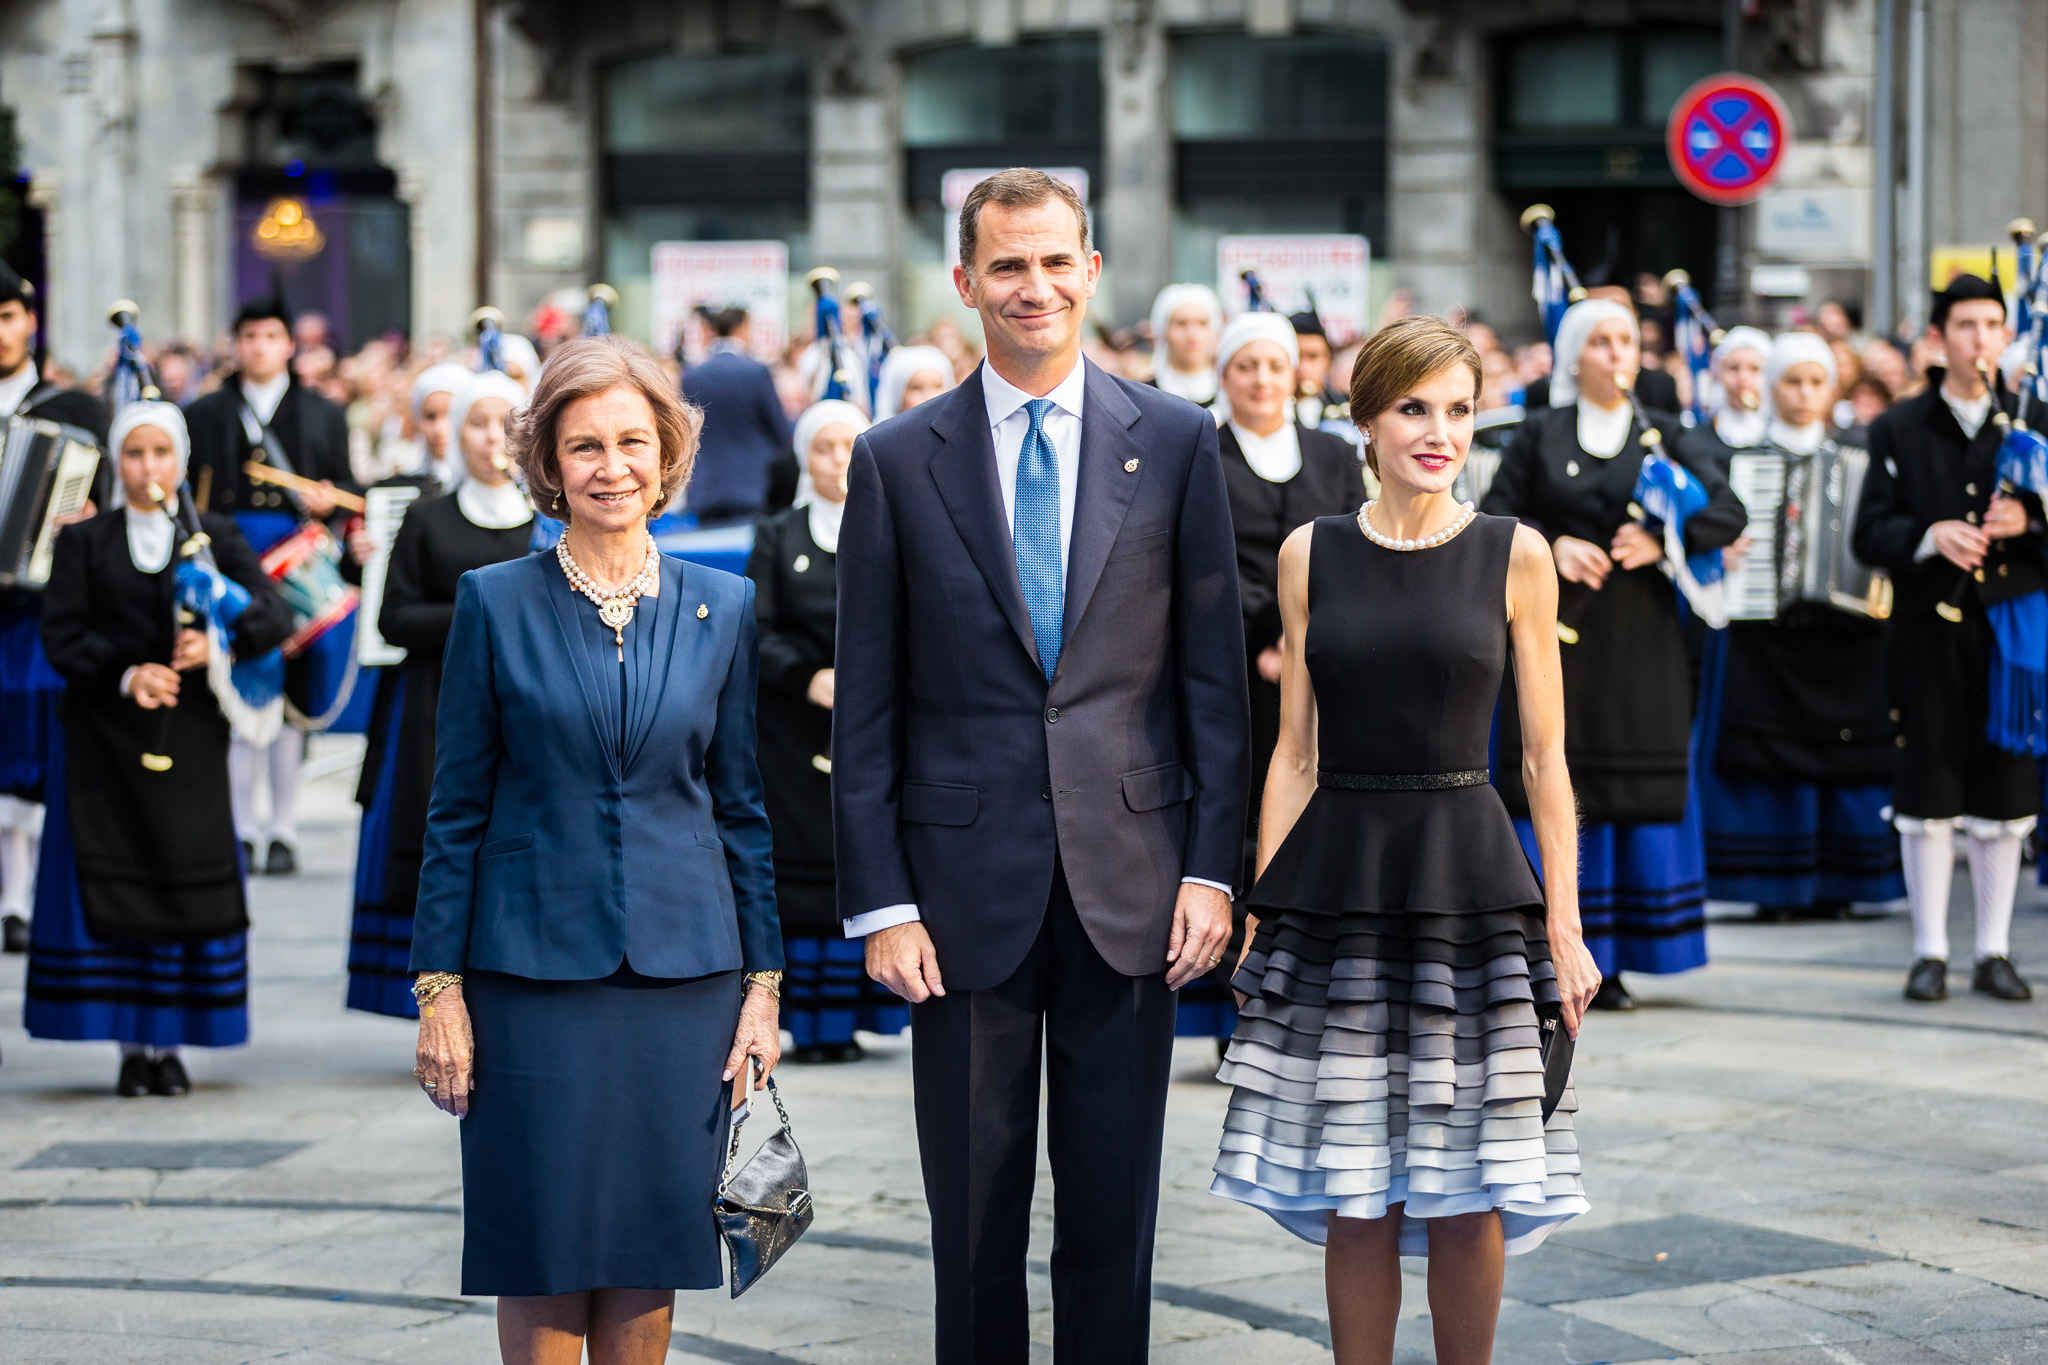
(2019, 675)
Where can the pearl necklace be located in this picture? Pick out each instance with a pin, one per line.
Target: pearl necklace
(615, 609)
(1423, 543)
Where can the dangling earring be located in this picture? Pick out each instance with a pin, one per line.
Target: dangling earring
(1365, 435)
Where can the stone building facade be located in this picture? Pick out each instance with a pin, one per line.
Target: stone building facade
(456, 151)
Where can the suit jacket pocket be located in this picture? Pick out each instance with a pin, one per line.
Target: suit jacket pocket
(939, 803)
(1128, 546)
(1152, 788)
(511, 845)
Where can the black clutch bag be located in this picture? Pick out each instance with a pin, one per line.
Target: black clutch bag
(1556, 1046)
(762, 1208)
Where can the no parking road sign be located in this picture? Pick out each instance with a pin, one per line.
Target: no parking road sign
(1726, 138)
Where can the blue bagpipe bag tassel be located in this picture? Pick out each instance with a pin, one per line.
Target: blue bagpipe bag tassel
(1668, 496)
(2019, 625)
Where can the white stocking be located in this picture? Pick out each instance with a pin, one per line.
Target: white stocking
(17, 869)
(1927, 848)
(243, 762)
(1994, 854)
(287, 757)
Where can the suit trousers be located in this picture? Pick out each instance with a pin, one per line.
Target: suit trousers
(1106, 1042)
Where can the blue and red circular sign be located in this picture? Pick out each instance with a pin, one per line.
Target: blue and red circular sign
(1726, 138)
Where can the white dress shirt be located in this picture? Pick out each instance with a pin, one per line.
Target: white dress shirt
(17, 386)
(1970, 415)
(1008, 422)
(263, 400)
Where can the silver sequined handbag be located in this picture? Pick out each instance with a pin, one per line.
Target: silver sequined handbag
(762, 1208)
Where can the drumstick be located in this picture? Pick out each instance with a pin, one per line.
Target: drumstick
(263, 473)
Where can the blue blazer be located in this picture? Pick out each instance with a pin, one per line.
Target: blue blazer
(543, 858)
(745, 432)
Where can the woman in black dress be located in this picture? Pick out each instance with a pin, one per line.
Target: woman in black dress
(1388, 1079)
(1279, 475)
(138, 932)
(486, 520)
(827, 993)
(1571, 473)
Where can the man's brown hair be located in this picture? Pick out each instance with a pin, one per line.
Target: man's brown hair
(1020, 187)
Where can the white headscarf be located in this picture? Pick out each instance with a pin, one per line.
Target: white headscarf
(901, 366)
(1572, 334)
(824, 516)
(1743, 339)
(521, 352)
(446, 377)
(1738, 427)
(492, 506)
(1196, 386)
(150, 529)
(1244, 329)
(1795, 348)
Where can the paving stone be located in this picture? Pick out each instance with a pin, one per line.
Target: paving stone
(160, 1156)
(1712, 1319)
(1897, 1298)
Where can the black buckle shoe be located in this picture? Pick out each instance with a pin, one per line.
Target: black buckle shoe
(1995, 977)
(13, 934)
(1612, 995)
(134, 1080)
(1928, 981)
(280, 861)
(167, 1076)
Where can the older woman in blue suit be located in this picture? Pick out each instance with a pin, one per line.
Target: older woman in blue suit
(596, 940)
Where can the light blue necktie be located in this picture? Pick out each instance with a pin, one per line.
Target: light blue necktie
(1037, 536)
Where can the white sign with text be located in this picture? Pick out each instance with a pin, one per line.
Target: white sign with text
(715, 275)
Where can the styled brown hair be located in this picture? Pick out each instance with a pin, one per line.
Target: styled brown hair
(581, 369)
(1397, 358)
(1020, 187)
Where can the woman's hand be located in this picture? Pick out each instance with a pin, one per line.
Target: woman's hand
(1251, 927)
(820, 690)
(153, 686)
(1635, 548)
(759, 1036)
(444, 1060)
(2005, 518)
(1581, 561)
(192, 651)
(1270, 660)
(361, 546)
(1577, 977)
(1733, 555)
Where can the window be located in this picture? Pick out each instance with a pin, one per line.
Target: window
(1048, 91)
(735, 102)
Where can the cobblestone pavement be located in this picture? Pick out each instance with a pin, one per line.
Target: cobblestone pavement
(1789, 1165)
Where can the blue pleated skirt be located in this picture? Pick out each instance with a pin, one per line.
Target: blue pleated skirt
(826, 993)
(596, 1133)
(30, 693)
(1788, 843)
(81, 988)
(380, 943)
(1642, 892)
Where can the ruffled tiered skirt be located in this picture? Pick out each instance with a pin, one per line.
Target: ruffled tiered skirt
(1388, 1052)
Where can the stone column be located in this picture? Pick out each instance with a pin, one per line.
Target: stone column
(1135, 198)
(857, 176)
(194, 201)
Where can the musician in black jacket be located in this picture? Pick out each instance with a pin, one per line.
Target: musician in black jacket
(29, 690)
(1933, 517)
(1571, 472)
(262, 415)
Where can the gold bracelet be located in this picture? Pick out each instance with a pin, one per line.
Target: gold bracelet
(432, 984)
(771, 980)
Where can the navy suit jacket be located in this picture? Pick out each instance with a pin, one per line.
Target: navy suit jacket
(960, 776)
(544, 858)
(745, 432)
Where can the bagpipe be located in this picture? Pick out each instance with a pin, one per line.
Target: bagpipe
(876, 340)
(1255, 300)
(832, 360)
(1696, 334)
(599, 302)
(2019, 625)
(1666, 495)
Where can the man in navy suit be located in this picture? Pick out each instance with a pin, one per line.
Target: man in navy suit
(746, 432)
(1040, 740)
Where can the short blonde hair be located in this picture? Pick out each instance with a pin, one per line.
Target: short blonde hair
(584, 368)
(1398, 357)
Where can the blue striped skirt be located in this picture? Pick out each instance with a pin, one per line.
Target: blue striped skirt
(379, 943)
(30, 692)
(1642, 893)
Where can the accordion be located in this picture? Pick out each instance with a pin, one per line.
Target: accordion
(1802, 510)
(46, 474)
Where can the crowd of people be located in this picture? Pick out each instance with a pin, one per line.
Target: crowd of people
(1049, 754)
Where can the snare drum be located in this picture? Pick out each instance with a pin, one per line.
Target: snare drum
(306, 566)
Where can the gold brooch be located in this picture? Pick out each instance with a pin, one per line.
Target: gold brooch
(702, 611)
(1130, 466)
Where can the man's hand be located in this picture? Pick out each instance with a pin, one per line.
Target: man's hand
(1960, 543)
(1581, 561)
(192, 650)
(1201, 930)
(2005, 518)
(819, 692)
(902, 958)
(153, 686)
(318, 500)
(1635, 548)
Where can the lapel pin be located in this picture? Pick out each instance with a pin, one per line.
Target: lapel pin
(1130, 466)
(702, 611)
(1571, 469)
(803, 564)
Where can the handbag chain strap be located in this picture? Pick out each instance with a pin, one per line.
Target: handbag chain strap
(733, 1153)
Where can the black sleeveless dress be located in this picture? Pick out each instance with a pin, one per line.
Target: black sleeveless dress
(1388, 1051)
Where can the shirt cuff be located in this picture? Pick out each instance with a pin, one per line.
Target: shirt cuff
(874, 921)
(1925, 550)
(1204, 881)
(128, 676)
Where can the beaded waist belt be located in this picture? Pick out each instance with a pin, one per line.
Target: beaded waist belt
(1403, 782)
